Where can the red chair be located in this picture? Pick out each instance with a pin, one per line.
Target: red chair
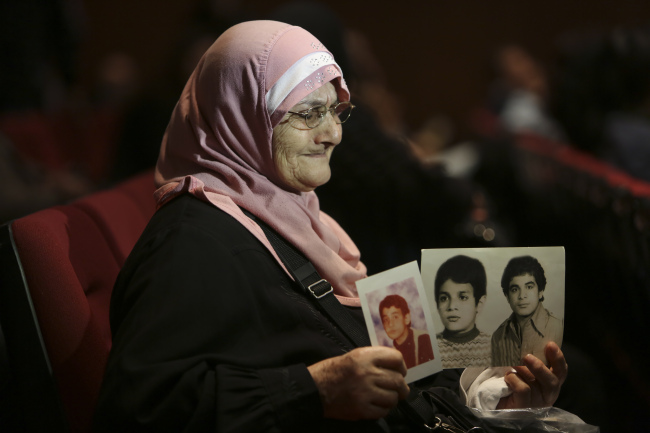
(58, 270)
(122, 212)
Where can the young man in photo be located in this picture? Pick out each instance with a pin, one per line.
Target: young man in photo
(460, 291)
(530, 326)
(415, 344)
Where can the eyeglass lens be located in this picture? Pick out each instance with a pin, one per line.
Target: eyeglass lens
(340, 112)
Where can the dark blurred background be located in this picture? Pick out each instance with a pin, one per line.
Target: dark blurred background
(495, 123)
(437, 54)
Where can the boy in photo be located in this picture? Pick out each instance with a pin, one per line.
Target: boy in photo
(530, 326)
(460, 292)
(414, 344)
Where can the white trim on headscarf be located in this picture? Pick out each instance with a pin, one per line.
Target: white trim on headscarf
(300, 70)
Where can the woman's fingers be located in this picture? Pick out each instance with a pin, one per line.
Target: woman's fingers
(391, 369)
(362, 384)
(556, 359)
(534, 384)
(521, 391)
(388, 358)
(394, 382)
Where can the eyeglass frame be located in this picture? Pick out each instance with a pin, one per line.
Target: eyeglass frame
(330, 110)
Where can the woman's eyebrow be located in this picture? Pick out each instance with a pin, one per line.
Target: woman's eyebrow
(316, 100)
(312, 101)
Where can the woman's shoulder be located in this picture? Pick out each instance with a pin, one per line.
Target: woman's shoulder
(187, 228)
(188, 243)
(187, 213)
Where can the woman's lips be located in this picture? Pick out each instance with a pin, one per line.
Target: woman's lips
(316, 153)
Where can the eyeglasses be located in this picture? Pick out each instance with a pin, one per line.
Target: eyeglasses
(314, 116)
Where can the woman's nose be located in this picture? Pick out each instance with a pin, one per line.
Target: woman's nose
(329, 132)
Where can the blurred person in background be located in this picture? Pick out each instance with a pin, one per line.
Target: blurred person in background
(602, 96)
(39, 43)
(519, 96)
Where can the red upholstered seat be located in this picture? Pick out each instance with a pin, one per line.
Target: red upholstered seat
(59, 266)
(122, 212)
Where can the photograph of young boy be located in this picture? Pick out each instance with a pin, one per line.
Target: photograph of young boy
(414, 344)
(530, 326)
(460, 293)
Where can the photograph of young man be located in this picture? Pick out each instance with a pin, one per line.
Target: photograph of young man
(460, 293)
(415, 344)
(530, 326)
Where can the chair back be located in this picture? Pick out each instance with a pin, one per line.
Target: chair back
(58, 270)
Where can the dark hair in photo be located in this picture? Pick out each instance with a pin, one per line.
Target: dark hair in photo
(394, 301)
(462, 270)
(521, 266)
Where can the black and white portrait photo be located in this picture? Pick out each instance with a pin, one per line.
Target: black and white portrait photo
(493, 306)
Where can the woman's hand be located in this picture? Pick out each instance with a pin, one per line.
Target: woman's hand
(535, 385)
(365, 383)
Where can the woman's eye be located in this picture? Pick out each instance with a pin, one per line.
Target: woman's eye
(311, 115)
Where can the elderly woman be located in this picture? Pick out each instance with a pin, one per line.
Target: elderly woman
(209, 333)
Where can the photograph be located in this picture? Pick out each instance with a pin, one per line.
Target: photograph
(493, 306)
(397, 315)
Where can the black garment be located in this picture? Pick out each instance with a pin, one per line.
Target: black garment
(209, 335)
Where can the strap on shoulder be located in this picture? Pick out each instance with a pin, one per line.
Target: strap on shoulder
(308, 278)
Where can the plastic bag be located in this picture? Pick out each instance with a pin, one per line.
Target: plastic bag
(549, 419)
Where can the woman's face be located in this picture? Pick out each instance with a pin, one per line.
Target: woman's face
(302, 155)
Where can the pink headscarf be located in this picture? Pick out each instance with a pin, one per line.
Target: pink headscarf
(218, 142)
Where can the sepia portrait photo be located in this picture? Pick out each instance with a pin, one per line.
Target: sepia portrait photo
(493, 306)
(397, 315)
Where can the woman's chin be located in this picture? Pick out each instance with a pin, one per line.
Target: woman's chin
(316, 177)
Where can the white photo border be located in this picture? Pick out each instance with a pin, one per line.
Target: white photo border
(377, 287)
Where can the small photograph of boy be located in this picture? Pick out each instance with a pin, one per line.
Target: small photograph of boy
(415, 344)
(397, 315)
(460, 294)
(530, 326)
